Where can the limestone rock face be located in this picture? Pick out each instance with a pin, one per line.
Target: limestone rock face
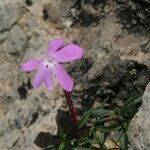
(16, 40)
(139, 132)
(26, 27)
(9, 14)
(24, 112)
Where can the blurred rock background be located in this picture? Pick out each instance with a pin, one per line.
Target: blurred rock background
(115, 37)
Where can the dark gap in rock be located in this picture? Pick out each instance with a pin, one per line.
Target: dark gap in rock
(98, 2)
(145, 48)
(45, 139)
(28, 2)
(65, 123)
(17, 123)
(34, 118)
(29, 85)
(9, 99)
(22, 91)
(77, 4)
(75, 42)
(88, 13)
(45, 14)
(86, 19)
(140, 67)
(135, 15)
(79, 68)
(119, 80)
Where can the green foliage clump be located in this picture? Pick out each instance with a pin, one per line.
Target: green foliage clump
(98, 125)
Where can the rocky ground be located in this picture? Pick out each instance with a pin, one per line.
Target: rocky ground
(116, 64)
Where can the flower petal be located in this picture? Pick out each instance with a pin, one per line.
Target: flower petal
(39, 77)
(48, 79)
(69, 53)
(63, 78)
(30, 65)
(55, 45)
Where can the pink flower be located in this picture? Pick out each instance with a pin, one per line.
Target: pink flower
(49, 66)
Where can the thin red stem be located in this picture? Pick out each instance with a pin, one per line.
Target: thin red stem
(71, 107)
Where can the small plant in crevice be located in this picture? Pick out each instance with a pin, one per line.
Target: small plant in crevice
(97, 127)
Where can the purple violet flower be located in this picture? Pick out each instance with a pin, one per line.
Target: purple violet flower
(49, 66)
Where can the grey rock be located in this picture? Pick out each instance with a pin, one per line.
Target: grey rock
(3, 36)
(9, 14)
(25, 112)
(23, 119)
(139, 132)
(16, 41)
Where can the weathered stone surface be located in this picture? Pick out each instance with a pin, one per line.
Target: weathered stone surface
(16, 41)
(24, 34)
(114, 78)
(139, 132)
(24, 112)
(9, 14)
(26, 119)
(135, 15)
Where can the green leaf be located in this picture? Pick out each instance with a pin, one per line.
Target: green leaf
(85, 118)
(81, 148)
(124, 141)
(101, 112)
(92, 130)
(130, 104)
(62, 146)
(51, 147)
(90, 141)
(110, 128)
(102, 120)
(100, 137)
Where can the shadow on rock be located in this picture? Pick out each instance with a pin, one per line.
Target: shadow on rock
(135, 15)
(45, 139)
(118, 81)
(66, 127)
(87, 13)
